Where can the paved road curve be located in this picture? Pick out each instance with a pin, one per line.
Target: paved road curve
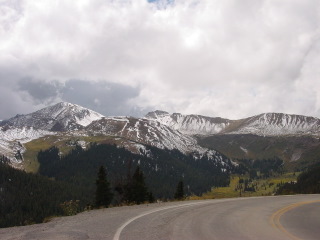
(281, 217)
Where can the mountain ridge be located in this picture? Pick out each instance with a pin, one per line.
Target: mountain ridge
(265, 124)
(65, 119)
(159, 129)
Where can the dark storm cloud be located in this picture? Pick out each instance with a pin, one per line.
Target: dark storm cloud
(106, 98)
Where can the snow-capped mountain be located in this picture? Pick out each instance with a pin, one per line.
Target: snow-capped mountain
(145, 131)
(73, 120)
(60, 117)
(21, 129)
(159, 128)
(266, 124)
(190, 124)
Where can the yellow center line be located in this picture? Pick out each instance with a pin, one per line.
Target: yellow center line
(275, 218)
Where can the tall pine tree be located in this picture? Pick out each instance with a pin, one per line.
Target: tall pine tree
(103, 193)
(179, 194)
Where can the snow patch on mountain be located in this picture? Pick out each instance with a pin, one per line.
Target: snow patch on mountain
(12, 140)
(23, 135)
(244, 150)
(190, 124)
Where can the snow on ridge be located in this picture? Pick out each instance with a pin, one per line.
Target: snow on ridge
(190, 124)
(267, 124)
(92, 116)
(278, 124)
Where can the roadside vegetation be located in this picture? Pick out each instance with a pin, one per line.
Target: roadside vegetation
(244, 186)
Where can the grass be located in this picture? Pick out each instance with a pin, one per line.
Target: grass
(62, 141)
(263, 187)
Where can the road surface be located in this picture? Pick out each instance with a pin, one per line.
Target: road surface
(279, 217)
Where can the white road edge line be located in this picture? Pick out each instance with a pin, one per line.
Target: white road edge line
(120, 229)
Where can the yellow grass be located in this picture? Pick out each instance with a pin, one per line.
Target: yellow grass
(31, 164)
(263, 187)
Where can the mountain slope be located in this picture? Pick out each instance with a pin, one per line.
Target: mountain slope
(151, 133)
(190, 124)
(296, 151)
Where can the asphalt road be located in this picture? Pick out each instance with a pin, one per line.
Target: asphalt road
(280, 217)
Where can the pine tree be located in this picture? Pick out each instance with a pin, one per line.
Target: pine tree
(139, 189)
(150, 197)
(179, 194)
(103, 193)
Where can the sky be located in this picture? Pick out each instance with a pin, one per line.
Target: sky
(230, 58)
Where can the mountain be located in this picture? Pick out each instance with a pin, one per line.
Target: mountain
(67, 125)
(59, 117)
(21, 129)
(70, 124)
(293, 138)
(266, 124)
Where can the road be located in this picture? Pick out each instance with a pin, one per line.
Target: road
(279, 217)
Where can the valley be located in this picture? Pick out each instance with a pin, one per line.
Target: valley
(214, 157)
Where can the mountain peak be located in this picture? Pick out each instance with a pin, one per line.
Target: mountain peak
(59, 117)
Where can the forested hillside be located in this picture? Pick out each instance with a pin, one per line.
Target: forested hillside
(308, 182)
(68, 183)
(27, 198)
(162, 168)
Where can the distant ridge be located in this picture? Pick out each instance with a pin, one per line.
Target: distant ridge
(266, 124)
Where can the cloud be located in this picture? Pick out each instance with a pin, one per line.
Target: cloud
(104, 97)
(219, 58)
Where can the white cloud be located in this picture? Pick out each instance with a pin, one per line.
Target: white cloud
(221, 58)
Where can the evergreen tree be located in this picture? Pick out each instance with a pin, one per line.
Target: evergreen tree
(150, 197)
(139, 188)
(179, 194)
(103, 193)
